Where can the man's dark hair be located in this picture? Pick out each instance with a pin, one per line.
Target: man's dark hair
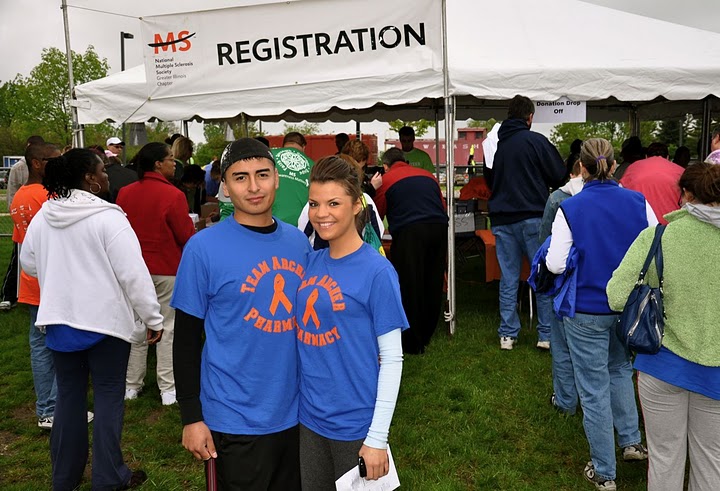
(520, 107)
(35, 140)
(171, 139)
(340, 140)
(657, 149)
(294, 137)
(192, 174)
(406, 131)
(263, 140)
(393, 155)
(38, 151)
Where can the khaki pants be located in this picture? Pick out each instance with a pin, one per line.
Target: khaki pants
(137, 365)
(679, 423)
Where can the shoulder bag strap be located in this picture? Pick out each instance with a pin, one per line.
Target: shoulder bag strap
(651, 254)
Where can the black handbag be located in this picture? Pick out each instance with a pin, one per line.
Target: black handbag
(641, 325)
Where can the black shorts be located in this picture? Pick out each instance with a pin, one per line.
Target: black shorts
(258, 462)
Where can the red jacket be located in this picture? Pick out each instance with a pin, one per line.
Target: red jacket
(158, 213)
(658, 180)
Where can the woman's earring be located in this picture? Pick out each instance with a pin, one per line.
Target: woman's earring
(98, 188)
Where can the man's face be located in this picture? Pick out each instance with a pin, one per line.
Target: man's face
(715, 143)
(406, 142)
(250, 184)
(39, 165)
(115, 148)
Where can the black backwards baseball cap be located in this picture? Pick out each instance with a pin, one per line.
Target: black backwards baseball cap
(244, 148)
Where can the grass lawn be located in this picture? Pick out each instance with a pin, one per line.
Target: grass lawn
(469, 416)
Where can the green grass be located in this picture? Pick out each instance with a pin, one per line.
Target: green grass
(469, 416)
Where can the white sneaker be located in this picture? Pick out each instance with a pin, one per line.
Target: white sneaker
(131, 394)
(168, 398)
(506, 342)
(47, 422)
(6, 305)
(543, 345)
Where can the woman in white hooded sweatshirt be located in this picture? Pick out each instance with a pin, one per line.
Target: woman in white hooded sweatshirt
(93, 282)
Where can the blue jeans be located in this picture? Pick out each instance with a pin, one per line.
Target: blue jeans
(603, 377)
(512, 242)
(43, 370)
(566, 396)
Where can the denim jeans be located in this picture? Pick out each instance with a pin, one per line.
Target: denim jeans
(566, 396)
(603, 377)
(512, 242)
(43, 370)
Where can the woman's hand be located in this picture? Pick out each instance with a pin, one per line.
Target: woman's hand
(376, 462)
(154, 336)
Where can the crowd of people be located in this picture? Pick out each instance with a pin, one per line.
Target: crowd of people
(263, 321)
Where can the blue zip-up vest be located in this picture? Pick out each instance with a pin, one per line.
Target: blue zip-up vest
(604, 220)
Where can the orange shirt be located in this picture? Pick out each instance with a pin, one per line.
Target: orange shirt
(27, 202)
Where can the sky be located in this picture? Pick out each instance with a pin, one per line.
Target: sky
(28, 26)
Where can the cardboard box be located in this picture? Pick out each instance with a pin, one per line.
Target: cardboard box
(208, 208)
(464, 222)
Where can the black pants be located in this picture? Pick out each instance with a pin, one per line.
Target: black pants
(258, 462)
(106, 363)
(10, 283)
(418, 253)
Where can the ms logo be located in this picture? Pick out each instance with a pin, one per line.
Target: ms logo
(181, 43)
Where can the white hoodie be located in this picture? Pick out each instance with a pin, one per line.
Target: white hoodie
(90, 268)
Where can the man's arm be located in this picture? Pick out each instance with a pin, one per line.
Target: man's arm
(187, 353)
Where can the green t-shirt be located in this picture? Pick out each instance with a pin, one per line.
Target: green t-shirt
(293, 166)
(418, 158)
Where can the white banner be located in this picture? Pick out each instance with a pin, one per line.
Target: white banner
(288, 44)
(562, 110)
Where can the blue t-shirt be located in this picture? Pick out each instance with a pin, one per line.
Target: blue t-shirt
(676, 370)
(343, 306)
(243, 284)
(61, 337)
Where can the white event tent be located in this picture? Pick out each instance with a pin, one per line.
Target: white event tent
(484, 54)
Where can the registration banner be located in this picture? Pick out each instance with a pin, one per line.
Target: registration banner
(289, 43)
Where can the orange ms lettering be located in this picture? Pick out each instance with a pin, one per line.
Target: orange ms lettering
(179, 42)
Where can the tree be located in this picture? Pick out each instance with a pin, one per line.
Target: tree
(42, 101)
(420, 126)
(476, 123)
(616, 133)
(158, 132)
(304, 128)
(215, 143)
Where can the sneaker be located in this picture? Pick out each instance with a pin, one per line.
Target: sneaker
(599, 482)
(7, 305)
(168, 398)
(506, 342)
(138, 477)
(46, 423)
(635, 452)
(131, 394)
(543, 345)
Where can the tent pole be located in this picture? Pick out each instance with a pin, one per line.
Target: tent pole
(450, 177)
(78, 138)
(185, 131)
(437, 143)
(357, 130)
(705, 130)
(634, 122)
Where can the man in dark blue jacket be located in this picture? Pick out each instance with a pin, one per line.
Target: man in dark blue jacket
(526, 165)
